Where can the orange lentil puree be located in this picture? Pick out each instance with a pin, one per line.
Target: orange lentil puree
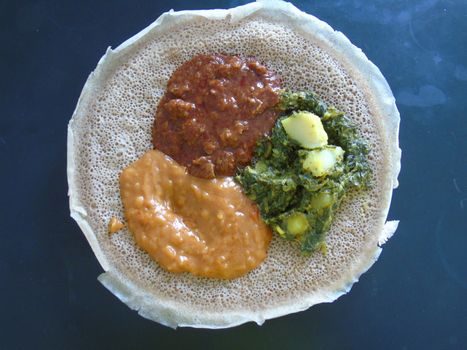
(115, 225)
(188, 224)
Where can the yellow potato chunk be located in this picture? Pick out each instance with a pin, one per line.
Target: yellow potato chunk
(321, 162)
(321, 200)
(297, 224)
(305, 128)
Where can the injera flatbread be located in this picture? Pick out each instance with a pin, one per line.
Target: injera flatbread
(111, 127)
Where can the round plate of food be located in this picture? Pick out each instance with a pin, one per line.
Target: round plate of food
(235, 165)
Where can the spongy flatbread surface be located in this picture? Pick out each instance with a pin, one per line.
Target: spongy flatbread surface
(111, 128)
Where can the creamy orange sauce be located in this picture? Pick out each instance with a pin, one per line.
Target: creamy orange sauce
(188, 224)
(115, 225)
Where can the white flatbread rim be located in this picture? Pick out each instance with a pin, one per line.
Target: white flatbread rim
(175, 313)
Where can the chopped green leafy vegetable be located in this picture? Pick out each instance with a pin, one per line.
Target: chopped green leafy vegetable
(301, 101)
(299, 185)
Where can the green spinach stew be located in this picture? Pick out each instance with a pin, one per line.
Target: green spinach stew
(302, 171)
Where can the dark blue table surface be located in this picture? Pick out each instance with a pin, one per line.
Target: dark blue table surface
(414, 297)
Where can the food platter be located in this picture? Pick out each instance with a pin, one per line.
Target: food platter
(111, 127)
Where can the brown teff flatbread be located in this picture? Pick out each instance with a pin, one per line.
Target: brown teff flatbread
(111, 128)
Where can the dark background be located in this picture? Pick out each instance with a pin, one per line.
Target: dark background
(414, 297)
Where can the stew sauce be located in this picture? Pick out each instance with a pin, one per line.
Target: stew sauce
(215, 109)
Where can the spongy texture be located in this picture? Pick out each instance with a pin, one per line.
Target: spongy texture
(112, 128)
